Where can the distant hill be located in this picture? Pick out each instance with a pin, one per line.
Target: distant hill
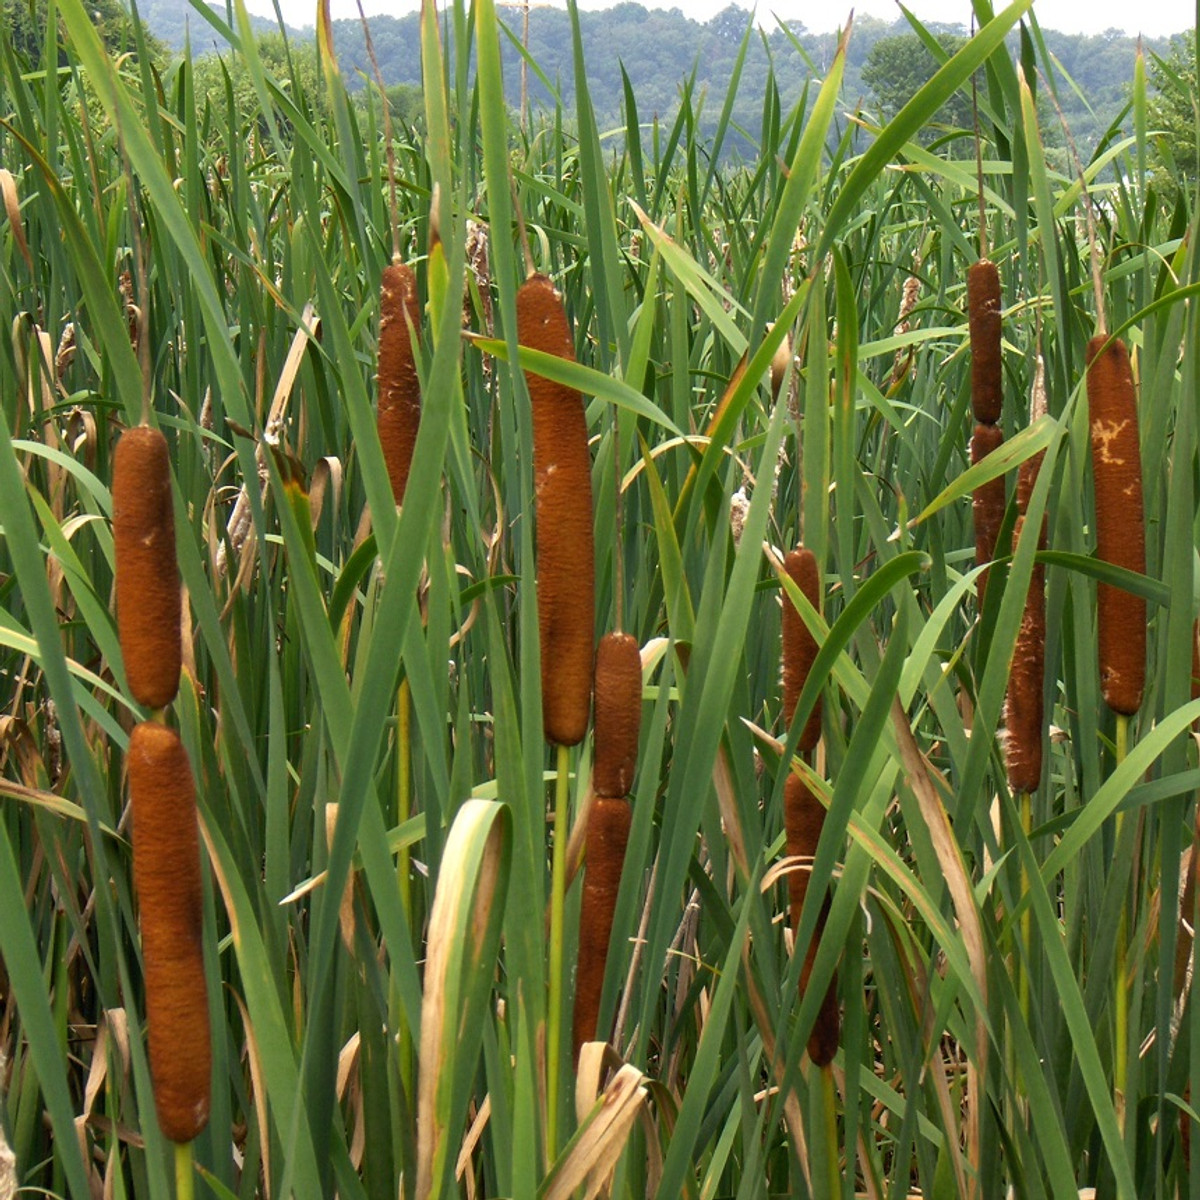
(662, 51)
(174, 21)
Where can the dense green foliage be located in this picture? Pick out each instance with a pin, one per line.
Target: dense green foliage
(385, 833)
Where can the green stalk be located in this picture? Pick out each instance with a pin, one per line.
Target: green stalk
(829, 1112)
(185, 1180)
(403, 783)
(403, 812)
(1027, 916)
(1121, 1034)
(557, 899)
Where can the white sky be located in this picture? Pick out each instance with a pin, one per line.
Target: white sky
(1154, 18)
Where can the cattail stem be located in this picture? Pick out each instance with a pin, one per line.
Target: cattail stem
(404, 1043)
(403, 783)
(1027, 915)
(1121, 1006)
(554, 1023)
(829, 1124)
(185, 1180)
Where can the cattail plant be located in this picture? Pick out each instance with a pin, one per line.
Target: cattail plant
(1024, 704)
(399, 412)
(799, 645)
(607, 835)
(617, 726)
(803, 813)
(563, 496)
(618, 714)
(983, 329)
(166, 874)
(988, 501)
(148, 592)
(1120, 529)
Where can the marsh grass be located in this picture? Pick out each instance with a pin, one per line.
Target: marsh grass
(369, 1038)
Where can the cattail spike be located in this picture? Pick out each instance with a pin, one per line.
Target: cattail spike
(166, 874)
(1024, 709)
(399, 413)
(607, 836)
(618, 714)
(988, 501)
(799, 645)
(1120, 528)
(149, 603)
(563, 494)
(983, 329)
(803, 819)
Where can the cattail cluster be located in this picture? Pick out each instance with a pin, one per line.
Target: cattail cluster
(166, 874)
(1025, 704)
(563, 500)
(398, 416)
(1120, 528)
(803, 813)
(987, 393)
(617, 727)
(166, 846)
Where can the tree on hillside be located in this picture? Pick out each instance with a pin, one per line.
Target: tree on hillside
(898, 67)
(1173, 110)
(25, 24)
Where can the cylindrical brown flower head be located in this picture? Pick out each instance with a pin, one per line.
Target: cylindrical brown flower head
(607, 836)
(803, 818)
(399, 413)
(562, 480)
(618, 714)
(983, 328)
(987, 504)
(148, 592)
(166, 874)
(1120, 528)
(1024, 709)
(799, 645)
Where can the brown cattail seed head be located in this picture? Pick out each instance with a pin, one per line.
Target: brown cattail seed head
(799, 646)
(399, 413)
(607, 835)
(988, 502)
(803, 818)
(148, 593)
(166, 874)
(562, 470)
(618, 714)
(1024, 714)
(1120, 528)
(983, 327)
